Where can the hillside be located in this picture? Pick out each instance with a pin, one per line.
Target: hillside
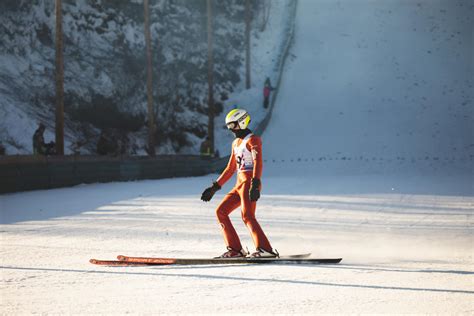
(104, 62)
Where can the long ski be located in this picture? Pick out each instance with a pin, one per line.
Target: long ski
(159, 260)
(211, 261)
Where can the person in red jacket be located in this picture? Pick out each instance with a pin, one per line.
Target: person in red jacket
(267, 88)
(246, 160)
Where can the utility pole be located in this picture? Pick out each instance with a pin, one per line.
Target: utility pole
(247, 44)
(59, 81)
(149, 82)
(210, 75)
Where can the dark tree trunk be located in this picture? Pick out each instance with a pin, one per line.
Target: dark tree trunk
(59, 81)
(247, 44)
(149, 82)
(210, 75)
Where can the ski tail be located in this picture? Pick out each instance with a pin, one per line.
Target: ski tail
(115, 263)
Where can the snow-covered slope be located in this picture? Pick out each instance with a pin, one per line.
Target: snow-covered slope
(377, 83)
(403, 252)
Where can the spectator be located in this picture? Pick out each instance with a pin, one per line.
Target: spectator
(105, 145)
(206, 148)
(267, 88)
(76, 147)
(39, 146)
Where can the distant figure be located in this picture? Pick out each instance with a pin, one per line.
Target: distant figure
(267, 88)
(2, 150)
(76, 147)
(39, 146)
(206, 148)
(105, 146)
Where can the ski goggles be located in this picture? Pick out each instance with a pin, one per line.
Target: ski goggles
(232, 125)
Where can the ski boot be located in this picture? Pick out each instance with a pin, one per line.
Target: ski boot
(232, 253)
(262, 253)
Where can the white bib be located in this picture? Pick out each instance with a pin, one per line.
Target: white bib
(243, 156)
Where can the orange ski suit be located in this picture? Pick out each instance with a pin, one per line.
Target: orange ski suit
(239, 195)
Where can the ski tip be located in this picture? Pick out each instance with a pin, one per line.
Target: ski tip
(121, 257)
(302, 255)
(93, 261)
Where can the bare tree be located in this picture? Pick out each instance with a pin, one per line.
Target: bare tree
(59, 81)
(149, 82)
(210, 75)
(247, 44)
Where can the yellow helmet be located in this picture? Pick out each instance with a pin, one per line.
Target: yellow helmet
(237, 118)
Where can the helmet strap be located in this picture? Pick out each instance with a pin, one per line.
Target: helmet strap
(241, 133)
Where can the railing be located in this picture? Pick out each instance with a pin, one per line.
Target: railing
(21, 173)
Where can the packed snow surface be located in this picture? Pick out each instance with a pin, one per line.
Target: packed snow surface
(404, 251)
(383, 183)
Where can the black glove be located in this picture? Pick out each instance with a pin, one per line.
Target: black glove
(209, 192)
(255, 190)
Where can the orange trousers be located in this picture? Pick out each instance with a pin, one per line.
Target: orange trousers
(239, 196)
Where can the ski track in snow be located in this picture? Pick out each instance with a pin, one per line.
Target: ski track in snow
(392, 197)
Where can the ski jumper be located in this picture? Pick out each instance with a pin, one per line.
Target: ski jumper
(246, 159)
